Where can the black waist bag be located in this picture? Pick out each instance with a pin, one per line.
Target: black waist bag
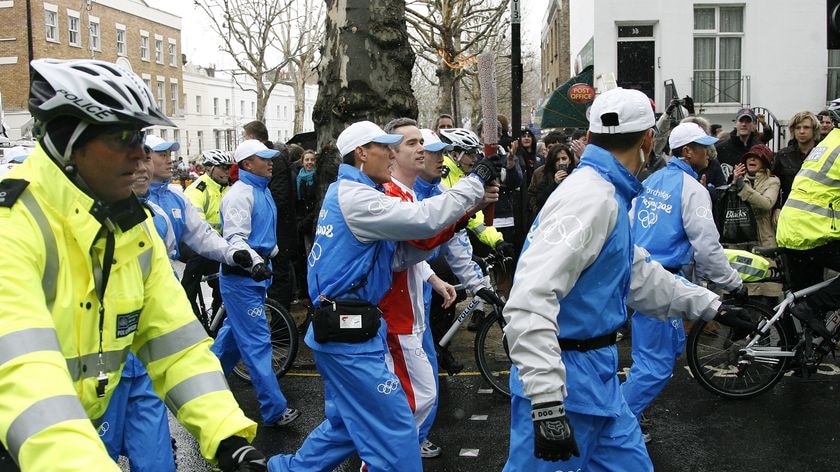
(345, 321)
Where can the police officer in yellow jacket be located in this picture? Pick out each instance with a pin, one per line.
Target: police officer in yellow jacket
(86, 280)
(809, 228)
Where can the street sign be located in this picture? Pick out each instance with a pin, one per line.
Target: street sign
(515, 16)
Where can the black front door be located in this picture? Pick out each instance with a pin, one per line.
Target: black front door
(635, 66)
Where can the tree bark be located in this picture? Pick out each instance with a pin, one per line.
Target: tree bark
(365, 71)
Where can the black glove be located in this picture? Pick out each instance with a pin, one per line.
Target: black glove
(736, 318)
(243, 258)
(505, 249)
(236, 455)
(486, 171)
(740, 294)
(260, 272)
(554, 439)
(490, 297)
(672, 106)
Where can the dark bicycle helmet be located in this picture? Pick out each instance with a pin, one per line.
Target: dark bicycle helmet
(216, 157)
(461, 139)
(96, 92)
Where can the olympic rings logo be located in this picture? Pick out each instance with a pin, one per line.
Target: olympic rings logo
(314, 254)
(704, 212)
(256, 311)
(419, 352)
(103, 428)
(566, 229)
(647, 218)
(388, 386)
(381, 204)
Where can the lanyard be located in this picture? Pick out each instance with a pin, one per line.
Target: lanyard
(100, 276)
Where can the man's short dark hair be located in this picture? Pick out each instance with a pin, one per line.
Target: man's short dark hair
(577, 134)
(825, 113)
(257, 129)
(554, 137)
(349, 158)
(618, 142)
(398, 123)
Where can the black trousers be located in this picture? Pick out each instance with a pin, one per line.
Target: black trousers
(197, 267)
(807, 268)
(282, 280)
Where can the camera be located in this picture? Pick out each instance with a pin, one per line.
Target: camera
(563, 167)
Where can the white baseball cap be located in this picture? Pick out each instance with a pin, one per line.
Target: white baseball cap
(432, 143)
(619, 111)
(253, 147)
(157, 144)
(686, 133)
(361, 133)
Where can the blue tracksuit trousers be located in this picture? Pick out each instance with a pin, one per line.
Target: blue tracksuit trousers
(245, 335)
(606, 444)
(367, 412)
(656, 347)
(136, 425)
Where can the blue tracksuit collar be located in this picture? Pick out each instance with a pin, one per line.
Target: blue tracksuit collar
(603, 162)
(158, 189)
(682, 165)
(253, 180)
(353, 174)
(422, 187)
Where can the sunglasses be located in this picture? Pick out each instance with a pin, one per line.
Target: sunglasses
(124, 139)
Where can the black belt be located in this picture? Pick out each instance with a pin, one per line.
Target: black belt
(673, 271)
(584, 345)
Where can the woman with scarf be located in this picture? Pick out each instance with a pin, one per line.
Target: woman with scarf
(306, 211)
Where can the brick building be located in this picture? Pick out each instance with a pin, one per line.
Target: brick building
(128, 32)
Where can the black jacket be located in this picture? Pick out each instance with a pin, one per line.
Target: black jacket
(786, 165)
(731, 149)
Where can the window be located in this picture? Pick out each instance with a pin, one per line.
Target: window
(199, 136)
(173, 97)
(73, 28)
(216, 107)
(217, 135)
(198, 104)
(172, 53)
(718, 32)
(51, 22)
(160, 96)
(176, 136)
(164, 134)
(278, 111)
(227, 106)
(144, 46)
(229, 142)
(121, 40)
(285, 112)
(241, 107)
(148, 83)
(94, 33)
(159, 50)
(253, 109)
(833, 75)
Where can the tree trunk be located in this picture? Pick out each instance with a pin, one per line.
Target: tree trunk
(262, 98)
(446, 82)
(365, 70)
(299, 85)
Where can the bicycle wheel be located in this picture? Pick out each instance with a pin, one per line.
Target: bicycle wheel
(284, 340)
(492, 354)
(713, 357)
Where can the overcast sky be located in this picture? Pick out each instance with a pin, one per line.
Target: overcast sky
(200, 47)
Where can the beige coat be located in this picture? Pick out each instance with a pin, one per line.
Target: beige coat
(762, 193)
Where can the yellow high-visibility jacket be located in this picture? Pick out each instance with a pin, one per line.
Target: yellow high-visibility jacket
(50, 334)
(486, 234)
(206, 195)
(810, 216)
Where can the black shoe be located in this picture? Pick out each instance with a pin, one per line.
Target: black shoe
(475, 321)
(806, 314)
(448, 362)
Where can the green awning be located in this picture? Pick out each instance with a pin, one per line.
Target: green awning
(557, 110)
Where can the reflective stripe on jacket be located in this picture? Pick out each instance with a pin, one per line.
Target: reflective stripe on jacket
(809, 216)
(49, 334)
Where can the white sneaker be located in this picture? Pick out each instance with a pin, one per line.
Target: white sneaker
(289, 415)
(429, 450)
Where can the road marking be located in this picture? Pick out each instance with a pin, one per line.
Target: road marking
(485, 391)
(468, 453)
(478, 418)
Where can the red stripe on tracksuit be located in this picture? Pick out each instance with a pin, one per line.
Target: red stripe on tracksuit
(401, 369)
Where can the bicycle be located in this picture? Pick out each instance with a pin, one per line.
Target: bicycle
(284, 334)
(490, 346)
(744, 365)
